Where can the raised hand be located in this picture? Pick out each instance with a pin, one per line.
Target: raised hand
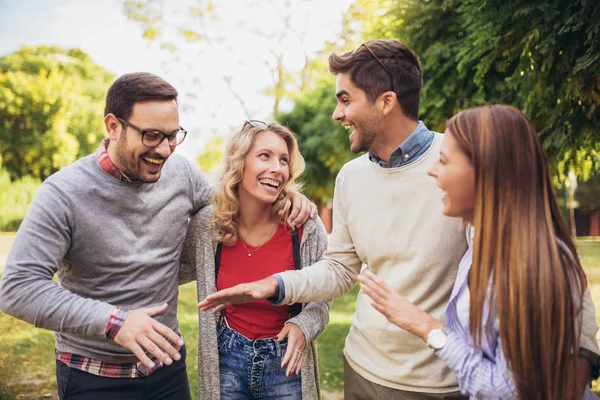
(242, 293)
(140, 331)
(397, 308)
(295, 348)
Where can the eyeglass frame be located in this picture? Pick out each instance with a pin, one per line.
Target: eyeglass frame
(255, 123)
(143, 132)
(379, 61)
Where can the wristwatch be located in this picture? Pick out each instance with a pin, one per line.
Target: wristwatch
(437, 338)
(594, 360)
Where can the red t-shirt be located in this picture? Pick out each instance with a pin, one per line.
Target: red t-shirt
(259, 319)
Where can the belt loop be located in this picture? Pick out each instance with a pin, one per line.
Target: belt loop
(231, 338)
(224, 319)
(278, 347)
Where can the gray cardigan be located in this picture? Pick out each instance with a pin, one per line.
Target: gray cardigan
(197, 263)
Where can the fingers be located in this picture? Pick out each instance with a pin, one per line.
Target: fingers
(164, 337)
(289, 353)
(217, 299)
(220, 308)
(295, 347)
(313, 210)
(296, 361)
(139, 353)
(151, 311)
(283, 333)
(139, 331)
(152, 348)
(373, 283)
(168, 334)
(376, 279)
(299, 365)
(242, 293)
(371, 293)
(303, 213)
(295, 211)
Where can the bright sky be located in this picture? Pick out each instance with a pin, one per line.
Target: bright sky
(241, 52)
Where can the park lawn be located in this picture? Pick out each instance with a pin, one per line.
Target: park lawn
(27, 362)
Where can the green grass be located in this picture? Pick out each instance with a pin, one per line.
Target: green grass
(27, 363)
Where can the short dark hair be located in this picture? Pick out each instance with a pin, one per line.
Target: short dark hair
(131, 88)
(368, 75)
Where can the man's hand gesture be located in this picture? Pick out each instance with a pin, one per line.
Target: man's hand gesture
(242, 293)
(140, 331)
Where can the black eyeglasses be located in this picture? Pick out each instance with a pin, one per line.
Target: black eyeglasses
(378, 60)
(153, 137)
(255, 123)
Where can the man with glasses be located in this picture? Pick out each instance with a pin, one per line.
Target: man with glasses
(112, 226)
(387, 216)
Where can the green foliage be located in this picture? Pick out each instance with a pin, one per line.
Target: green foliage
(587, 194)
(211, 155)
(323, 142)
(542, 57)
(15, 197)
(51, 109)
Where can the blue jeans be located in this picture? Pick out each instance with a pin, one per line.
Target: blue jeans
(251, 369)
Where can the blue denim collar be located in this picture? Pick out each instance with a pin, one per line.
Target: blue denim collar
(415, 145)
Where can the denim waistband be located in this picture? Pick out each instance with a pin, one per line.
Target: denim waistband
(234, 340)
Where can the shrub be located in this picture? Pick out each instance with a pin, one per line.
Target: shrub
(15, 197)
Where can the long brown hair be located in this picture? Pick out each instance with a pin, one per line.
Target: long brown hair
(524, 260)
(226, 202)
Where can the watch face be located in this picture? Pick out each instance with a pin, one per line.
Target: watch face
(437, 339)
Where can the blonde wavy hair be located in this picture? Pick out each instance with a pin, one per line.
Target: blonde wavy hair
(226, 202)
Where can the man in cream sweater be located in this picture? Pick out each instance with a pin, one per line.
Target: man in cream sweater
(387, 215)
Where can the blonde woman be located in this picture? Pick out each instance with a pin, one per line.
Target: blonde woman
(255, 350)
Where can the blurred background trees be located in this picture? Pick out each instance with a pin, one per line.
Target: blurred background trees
(51, 114)
(541, 57)
(51, 109)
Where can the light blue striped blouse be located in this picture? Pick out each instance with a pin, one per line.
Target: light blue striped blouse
(482, 374)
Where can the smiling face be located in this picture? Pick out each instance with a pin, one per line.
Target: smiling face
(456, 178)
(126, 150)
(357, 114)
(266, 168)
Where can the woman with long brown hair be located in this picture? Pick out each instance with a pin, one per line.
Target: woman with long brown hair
(515, 314)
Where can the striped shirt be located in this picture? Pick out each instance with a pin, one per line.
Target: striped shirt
(481, 373)
(97, 367)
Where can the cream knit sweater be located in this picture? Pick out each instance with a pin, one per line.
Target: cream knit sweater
(390, 220)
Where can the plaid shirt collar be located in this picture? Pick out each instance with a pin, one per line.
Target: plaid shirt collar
(107, 164)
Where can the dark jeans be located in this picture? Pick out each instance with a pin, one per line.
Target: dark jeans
(167, 383)
(251, 369)
(358, 388)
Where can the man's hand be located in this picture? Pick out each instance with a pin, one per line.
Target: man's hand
(295, 348)
(140, 331)
(302, 209)
(242, 293)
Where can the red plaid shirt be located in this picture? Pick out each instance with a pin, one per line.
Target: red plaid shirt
(97, 367)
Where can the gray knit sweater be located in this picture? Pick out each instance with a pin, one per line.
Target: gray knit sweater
(112, 243)
(197, 263)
